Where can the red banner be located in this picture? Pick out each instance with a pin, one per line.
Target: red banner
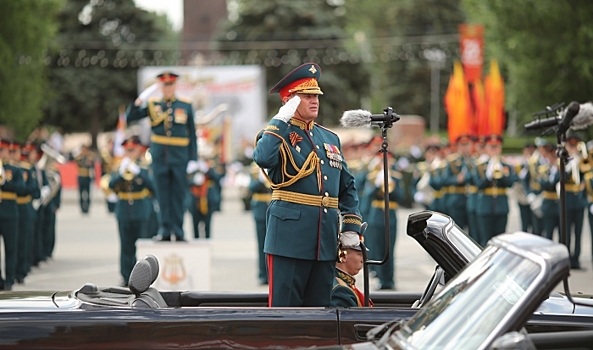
(471, 38)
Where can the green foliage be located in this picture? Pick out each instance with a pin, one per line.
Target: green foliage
(544, 47)
(92, 74)
(26, 28)
(317, 29)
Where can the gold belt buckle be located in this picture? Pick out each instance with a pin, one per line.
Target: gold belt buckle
(325, 201)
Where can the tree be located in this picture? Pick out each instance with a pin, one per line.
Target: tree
(282, 34)
(544, 46)
(26, 30)
(101, 45)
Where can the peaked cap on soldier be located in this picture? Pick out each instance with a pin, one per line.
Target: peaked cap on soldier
(303, 79)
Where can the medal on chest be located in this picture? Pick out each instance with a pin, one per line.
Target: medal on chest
(333, 155)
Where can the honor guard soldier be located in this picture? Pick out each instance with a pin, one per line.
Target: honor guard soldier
(31, 153)
(311, 186)
(24, 199)
(11, 182)
(133, 187)
(107, 162)
(261, 196)
(492, 177)
(375, 237)
(422, 192)
(54, 201)
(547, 179)
(173, 148)
(206, 195)
(576, 200)
(521, 188)
(455, 178)
(472, 189)
(350, 262)
(86, 165)
(588, 179)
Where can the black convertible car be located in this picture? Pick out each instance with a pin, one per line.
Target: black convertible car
(141, 317)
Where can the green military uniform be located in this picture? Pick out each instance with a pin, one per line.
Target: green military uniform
(37, 240)
(311, 188)
(455, 197)
(11, 183)
(261, 195)
(375, 235)
(344, 292)
(86, 165)
(134, 192)
(173, 144)
(48, 227)
(588, 179)
(492, 204)
(29, 192)
(205, 198)
(436, 182)
(472, 198)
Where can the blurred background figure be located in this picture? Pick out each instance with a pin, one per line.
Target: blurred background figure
(261, 195)
(134, 189)
(85, 160)
(206, 195)
(108, 161)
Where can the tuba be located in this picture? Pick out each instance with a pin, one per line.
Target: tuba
(47, 162)
(497, 168)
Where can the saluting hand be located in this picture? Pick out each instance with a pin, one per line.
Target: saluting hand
(286, 112)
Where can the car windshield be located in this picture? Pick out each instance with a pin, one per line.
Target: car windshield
(472, 305)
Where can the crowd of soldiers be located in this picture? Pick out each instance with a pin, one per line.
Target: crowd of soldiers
(30, 196)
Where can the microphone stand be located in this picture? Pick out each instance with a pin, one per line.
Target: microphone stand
(387, 123)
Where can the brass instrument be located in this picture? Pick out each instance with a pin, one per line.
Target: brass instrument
(47, 163)
(586, 161)
(2, 176)
(497, 168)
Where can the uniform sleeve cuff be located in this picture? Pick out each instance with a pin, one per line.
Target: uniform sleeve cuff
(351, 222)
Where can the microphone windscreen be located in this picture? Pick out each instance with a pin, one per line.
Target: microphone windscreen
(356, 118)
(584, 118)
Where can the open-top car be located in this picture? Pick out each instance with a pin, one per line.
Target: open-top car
(143, 317)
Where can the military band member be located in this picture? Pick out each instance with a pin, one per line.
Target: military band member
(133, 187)
(86, 165)
(29, 192)
(205, 199)
(576, 200)
(261, 196)
(532, 184)
(472, 189)
(350, 262)
(588, 179)
(521, 188)
(455, 178)
(174, 152)
(547, 179)
(422, 192)
(48, 227)
(375, 236)
(492, 177)
(31, 153)
(11, 182)
(107, 162)
(311, 186)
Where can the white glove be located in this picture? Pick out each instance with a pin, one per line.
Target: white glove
(379, 179)
(192, 167)
(199, 179)
(124, 165)
(419, 197)
(531, 197)
(112, 198)
(134, 168)
(553, 171)
(261, 177)
(523, 173)
(287, 111)
(203, 166)
(45, 192)
(490, 170)
(591, 209)
(349, 239)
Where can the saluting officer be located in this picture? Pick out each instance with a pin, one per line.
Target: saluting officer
(133, 187)
(86, 164)
(11, 182)
(261, 197)
(174, 151)
(492, 177)
(311, 186)
(375, 237)
(30, 191)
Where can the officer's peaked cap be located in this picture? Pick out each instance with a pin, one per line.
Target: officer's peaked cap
(303, 79)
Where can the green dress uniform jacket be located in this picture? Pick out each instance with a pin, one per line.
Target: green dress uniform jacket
(344, 291)
(86, 165)
(24, 199)
(312, 186)
(455, 197)
(205, 199)
(492, 204)
(9, 216)
(173, 139)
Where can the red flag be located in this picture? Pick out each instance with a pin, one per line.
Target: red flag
(494, 92)
(457, 104)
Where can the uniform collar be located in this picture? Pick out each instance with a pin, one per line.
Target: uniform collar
(172, 99)
(302, 124)
(345, 277)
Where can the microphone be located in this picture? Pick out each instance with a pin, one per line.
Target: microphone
(563, 122)
(584, 118)
(359, 118)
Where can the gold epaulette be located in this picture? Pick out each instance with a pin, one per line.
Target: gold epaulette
(184, 99)
(323, 127)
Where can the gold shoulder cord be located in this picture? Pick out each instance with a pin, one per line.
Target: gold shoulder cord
(155, 119)
(309, 166)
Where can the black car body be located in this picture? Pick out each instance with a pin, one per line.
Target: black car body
(95, 318)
